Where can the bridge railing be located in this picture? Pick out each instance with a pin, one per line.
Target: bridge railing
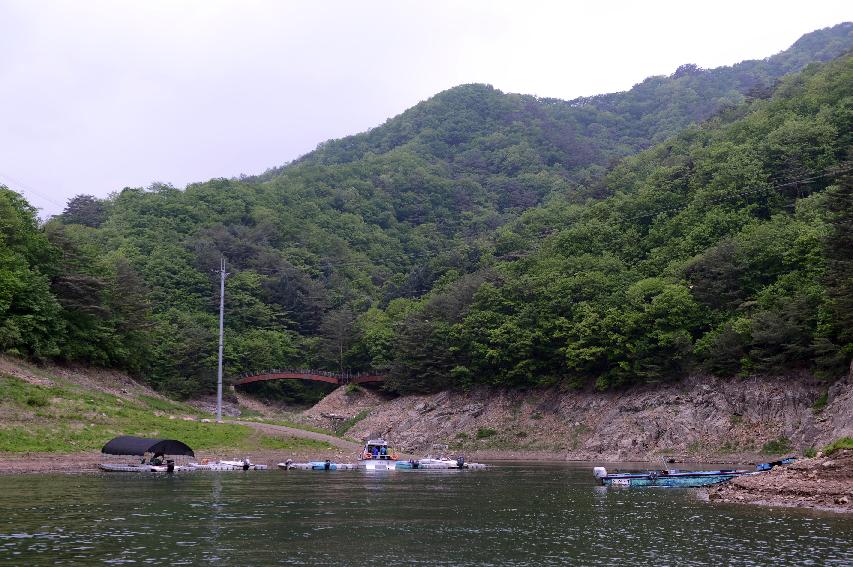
(342, 377)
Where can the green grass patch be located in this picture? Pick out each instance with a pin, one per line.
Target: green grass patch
(348, 424)
(838, 444)
(820, 403)
(352, 389)
(777, 446)
(19, 393)
(167, 406)
(486, 432)
(65, 418)
(810, 453)
(247, 412)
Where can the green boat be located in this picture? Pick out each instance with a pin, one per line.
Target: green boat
(677, 478)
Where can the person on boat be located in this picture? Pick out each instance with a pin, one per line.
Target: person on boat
(157, 459)
(375, 452)
(383, 452)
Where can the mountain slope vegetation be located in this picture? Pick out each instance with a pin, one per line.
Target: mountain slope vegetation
(726, 247)
(480, 237)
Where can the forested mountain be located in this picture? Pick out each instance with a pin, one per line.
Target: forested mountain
(465, 124)
(481, 237)
(725, 247)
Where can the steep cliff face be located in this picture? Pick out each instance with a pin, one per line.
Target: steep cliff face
(837, 420)
(702, 418)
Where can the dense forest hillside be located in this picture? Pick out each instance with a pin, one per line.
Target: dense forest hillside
(727, 246)
(481, 237)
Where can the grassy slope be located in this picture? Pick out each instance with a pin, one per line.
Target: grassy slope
(46, 410)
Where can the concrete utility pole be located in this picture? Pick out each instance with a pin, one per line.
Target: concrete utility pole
(222, 276)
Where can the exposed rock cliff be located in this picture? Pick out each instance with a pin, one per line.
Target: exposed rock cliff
(702, 418)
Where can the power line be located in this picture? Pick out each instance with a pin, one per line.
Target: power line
(320, 264)
(11, 181)
(742, 194)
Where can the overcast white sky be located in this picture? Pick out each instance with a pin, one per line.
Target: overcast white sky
(100, 95)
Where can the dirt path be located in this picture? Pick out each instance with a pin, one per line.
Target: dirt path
(294, 432)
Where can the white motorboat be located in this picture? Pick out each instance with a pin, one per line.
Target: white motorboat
(377, 455)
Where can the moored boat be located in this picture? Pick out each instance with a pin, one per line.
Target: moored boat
(236, 465)
(140, 468)
(678, 478)
(667, 478)
(438, 464)
(140, 446)
(330, 466)
(317, 466)
(378, 455)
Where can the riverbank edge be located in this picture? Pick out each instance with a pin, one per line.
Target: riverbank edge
(87, 461)
(823, 483)
(755, 490)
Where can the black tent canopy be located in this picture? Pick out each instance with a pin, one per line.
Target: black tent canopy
(129, 445)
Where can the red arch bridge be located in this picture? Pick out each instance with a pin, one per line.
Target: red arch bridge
(339, 378)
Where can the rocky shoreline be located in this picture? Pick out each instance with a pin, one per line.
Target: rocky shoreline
(701, 419)
(821, 483)
(19, 463)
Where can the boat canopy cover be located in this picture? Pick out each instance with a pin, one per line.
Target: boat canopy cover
(128, 445)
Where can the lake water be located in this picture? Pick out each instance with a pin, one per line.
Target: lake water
(513, 514)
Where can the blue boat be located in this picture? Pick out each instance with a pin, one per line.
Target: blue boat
(686, 479)
(330, 466)
(677, 478)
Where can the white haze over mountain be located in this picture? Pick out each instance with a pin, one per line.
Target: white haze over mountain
(100, 95)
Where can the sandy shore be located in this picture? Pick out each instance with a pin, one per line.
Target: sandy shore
(824, 483)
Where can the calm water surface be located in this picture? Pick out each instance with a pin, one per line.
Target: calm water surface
(514, 514)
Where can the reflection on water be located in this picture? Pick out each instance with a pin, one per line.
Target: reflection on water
(515, 514)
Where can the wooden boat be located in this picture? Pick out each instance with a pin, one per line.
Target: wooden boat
(678, 478)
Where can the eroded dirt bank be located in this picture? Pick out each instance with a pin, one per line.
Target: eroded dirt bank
(824, 483)
(700, 419)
